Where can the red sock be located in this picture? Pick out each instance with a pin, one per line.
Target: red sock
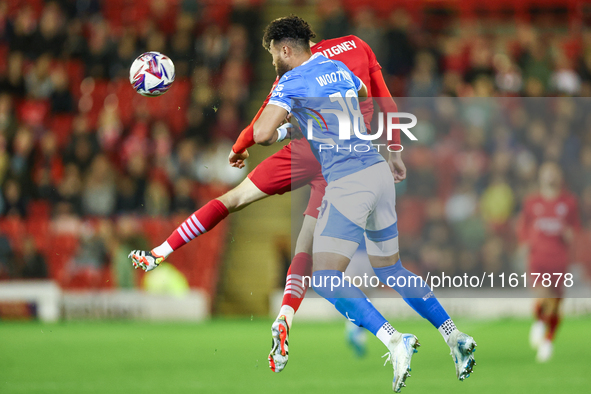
(552, 323)
(295, 285)
(203, 220)
(538, 311)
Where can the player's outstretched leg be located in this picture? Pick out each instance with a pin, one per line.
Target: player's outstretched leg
(296, 284)
(200, 222)
(295, 290)
(419, 296)
(552, 318)
(538, 328)
(279, 346)
(352, 303)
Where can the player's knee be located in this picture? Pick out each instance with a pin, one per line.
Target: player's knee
(230, 201)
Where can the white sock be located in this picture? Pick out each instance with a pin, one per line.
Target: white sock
(288, 312)
(163, 250)
(386, 332)
(446, 329)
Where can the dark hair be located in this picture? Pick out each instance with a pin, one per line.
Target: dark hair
(291, 28)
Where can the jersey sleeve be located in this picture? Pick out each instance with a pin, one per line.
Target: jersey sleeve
(357, 81)
(246, 138)
(290, 86)
(373, 63)
(524, 222)
(573, 217)
(380, 92)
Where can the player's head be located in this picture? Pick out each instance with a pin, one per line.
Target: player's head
(550, 176)
(288, 41)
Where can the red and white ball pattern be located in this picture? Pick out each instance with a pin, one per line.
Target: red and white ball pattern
(151, 74)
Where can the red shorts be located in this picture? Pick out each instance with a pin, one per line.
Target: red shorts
(289, 169)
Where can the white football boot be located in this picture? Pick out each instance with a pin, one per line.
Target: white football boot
(279, 351)
(536, 334)
(145, 260)
(545, 351)
(401, 349)
(462, 348)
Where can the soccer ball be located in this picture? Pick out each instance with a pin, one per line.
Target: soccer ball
(151, 74)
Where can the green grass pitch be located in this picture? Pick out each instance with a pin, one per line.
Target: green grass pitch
(230, 356)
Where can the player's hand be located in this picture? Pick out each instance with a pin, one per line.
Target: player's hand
(237, 159)
(397, 167)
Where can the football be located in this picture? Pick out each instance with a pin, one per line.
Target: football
(151, 74)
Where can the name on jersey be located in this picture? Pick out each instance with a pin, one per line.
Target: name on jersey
(333, 77)
(340, 48)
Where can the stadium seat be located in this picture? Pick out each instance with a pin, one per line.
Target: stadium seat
(33, 112)
(75, 70)
(61, 125)
(15, 229)
(62, 249)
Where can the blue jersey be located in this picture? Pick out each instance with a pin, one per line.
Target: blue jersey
(322, 95)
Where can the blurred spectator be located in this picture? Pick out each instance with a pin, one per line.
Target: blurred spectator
(13, 82)
(68, 196)
(400, 54)
(8, 122)
(6, 257)
(38, 81)
(182, 53)
(182, 202)
(49, 167)
(61, 98)
(212, 47)
(30, 263)
(75, 45)
(125, 55)
(14, 203)
(128, 237)
(424, 82)
(99, 53)
(334, 20)
(157, 199)
(99, 195)
(83, 145)
(50, 37)
(366, 28)
(25, 27)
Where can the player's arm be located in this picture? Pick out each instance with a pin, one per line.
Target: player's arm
(382, 95)
(524, 223)
(573, 223)
(266, 129)
(245, 140)
(362, 92)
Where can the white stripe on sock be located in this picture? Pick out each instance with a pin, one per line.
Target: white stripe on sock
(192, 227)
(180, 231)
(188, 231)
(297, 291)
(198, 223)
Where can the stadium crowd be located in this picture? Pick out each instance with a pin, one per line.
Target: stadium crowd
(82, 154)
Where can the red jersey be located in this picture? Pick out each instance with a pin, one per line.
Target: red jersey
(360, 59)
(542, 226)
